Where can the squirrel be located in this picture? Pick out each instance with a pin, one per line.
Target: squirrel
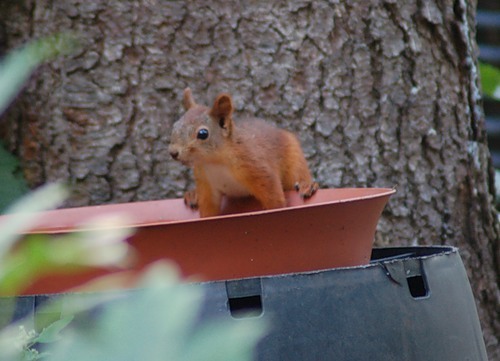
(248, 158)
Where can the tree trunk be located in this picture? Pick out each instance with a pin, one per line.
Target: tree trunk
(381, 93)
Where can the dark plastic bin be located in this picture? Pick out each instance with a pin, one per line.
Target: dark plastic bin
(408, 304)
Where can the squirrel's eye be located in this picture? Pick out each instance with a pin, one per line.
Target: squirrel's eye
(202, 134)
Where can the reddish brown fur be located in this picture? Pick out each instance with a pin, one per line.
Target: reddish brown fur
(252, 158)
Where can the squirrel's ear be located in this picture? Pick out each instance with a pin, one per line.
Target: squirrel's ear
(222, 111)
(188, 101)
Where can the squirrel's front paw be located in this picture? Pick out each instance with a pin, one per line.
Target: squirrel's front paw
(306, 190)
(191, 199)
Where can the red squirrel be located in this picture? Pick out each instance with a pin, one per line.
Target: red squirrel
(248, 158)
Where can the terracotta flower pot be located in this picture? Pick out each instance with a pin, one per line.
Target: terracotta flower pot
(335, 228)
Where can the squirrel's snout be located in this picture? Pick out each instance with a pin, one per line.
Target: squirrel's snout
(174, 154)
(174, 151)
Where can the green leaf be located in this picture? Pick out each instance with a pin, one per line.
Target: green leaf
(24, 213)
(18, 65)
(27, 262)
(52, 332)
(490, 79)
(13, 184)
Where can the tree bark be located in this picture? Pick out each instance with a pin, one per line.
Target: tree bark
(381, 93)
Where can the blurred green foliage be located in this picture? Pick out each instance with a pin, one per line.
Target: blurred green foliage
(13, 184)
(15, 69)
(490, 80)
(18, 65)
(158, 321)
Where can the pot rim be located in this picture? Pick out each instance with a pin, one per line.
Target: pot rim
(188, 215)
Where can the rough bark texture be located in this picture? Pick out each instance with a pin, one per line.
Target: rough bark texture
(380, 93)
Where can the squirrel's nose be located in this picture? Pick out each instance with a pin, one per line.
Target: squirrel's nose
(174, 154)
